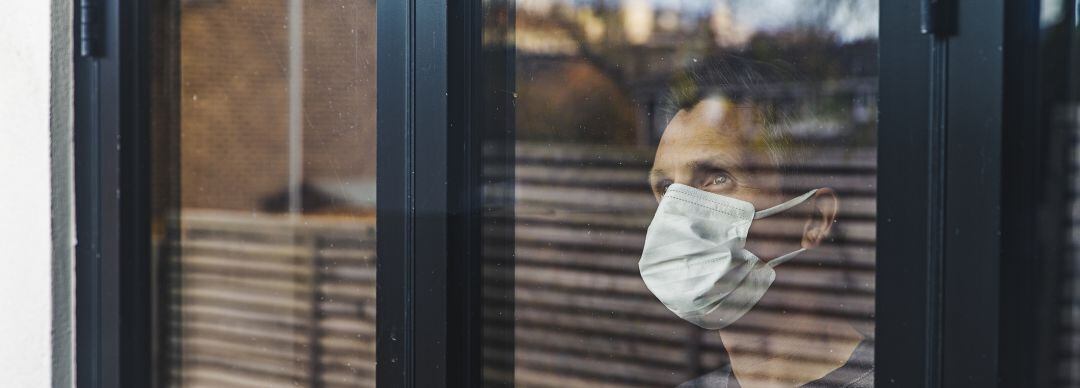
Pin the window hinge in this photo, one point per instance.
(938, 17)
(89, 28)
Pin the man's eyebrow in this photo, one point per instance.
(710, 164)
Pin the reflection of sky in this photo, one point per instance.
(849, 19)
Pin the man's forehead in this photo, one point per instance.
(712, 121)
(693, 140)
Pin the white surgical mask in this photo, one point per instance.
(694, 261)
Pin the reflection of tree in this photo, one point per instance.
(572, 101)
(599, 35)
(817, 40)
(599, 55)
(593, 87)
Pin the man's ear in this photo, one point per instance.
(824, 206)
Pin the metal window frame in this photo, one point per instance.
(908, 226)
(114, 333)
(442, 101)
(944, 214)
(996, 184)
(972, 211)
(973, 312)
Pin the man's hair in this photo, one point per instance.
(745, 82)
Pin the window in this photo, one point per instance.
(567, 193)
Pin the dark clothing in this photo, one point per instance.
(857, 372)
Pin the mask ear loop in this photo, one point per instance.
(780, 208)
(780, 260)
(785, 206)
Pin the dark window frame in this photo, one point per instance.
(114, 335)
(441, 102)
(905, 304)
(972, 196)
(942, 160)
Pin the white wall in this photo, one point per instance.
(35, 124)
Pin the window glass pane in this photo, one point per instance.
(648, 132)
(1058, 84)
(264, 192)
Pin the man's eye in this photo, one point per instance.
(660, 188)
(718, 180)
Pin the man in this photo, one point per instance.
(708, 257)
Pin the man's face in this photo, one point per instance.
(708, 148)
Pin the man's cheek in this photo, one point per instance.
(774, 236)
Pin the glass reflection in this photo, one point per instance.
(264, 174)
(754, 101)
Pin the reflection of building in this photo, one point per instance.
(234, 88)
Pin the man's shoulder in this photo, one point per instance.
(723, 378)
(857, 372)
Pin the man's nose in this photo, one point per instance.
(689, 181)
